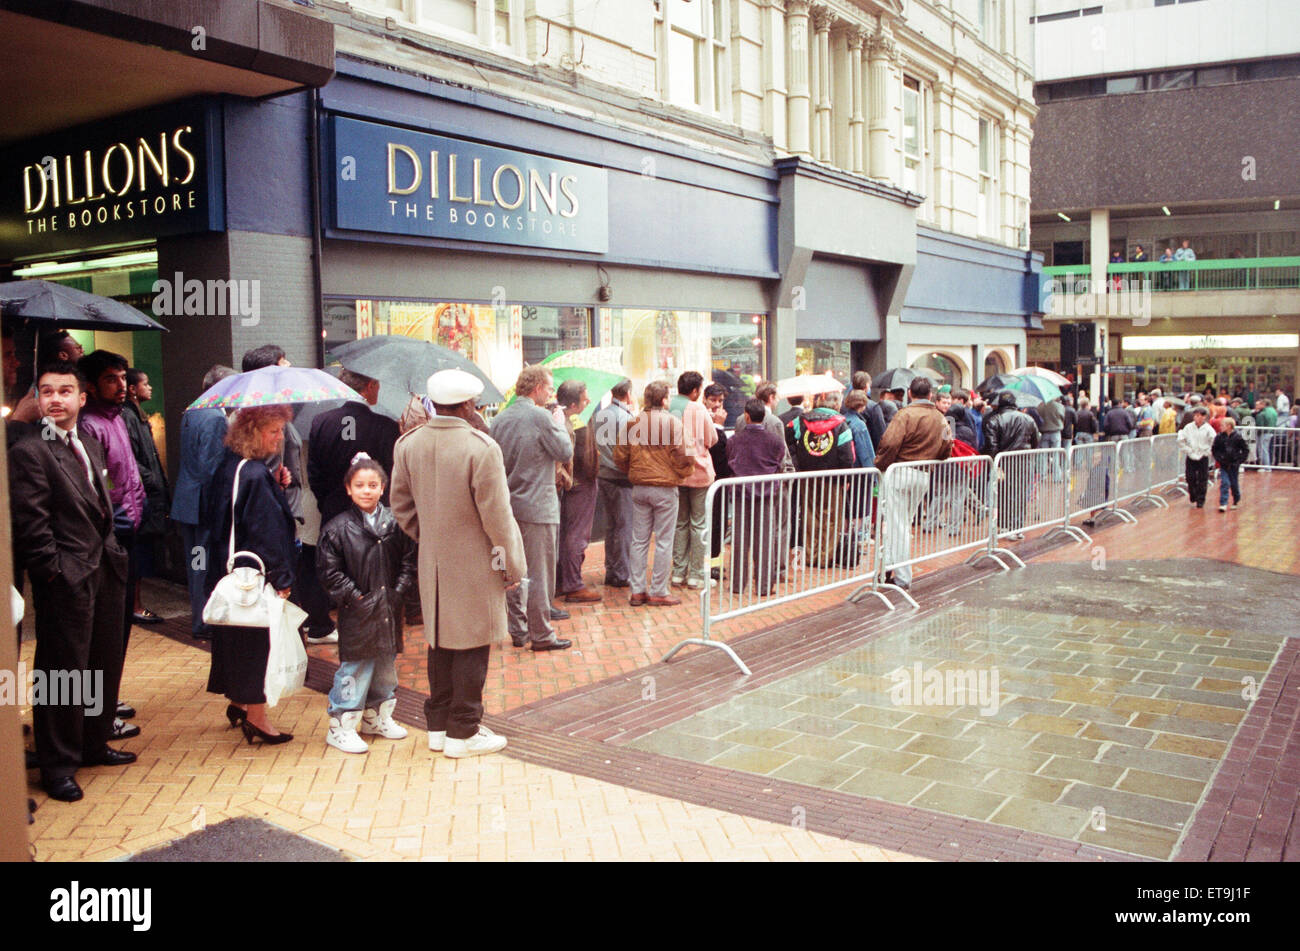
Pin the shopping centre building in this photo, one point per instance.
(1161, 124)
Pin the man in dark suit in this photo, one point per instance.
(339, 435)
(78, 571)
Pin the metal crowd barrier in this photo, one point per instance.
(1271, 447)
(1166, 466)
(1031, 489)
(792, 535)
(1094, 468)
(785, 537)
(957, 515)
(1134, 476)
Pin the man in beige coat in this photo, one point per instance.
(450, 477)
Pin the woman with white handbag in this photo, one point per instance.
(249, 517)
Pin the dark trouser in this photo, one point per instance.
(531, 617)
(78, 629)
(310, 596)
(195, 539)
(1013, 500)
(577, 509)
(752, 533)
(616, 499)
(1198, 476)
(456, 681)
(127, 540)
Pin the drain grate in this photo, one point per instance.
(242, 840)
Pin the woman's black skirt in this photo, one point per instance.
(239, 656)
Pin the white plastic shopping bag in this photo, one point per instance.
(286, 665)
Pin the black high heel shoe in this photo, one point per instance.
(268, 739)
(236, 715)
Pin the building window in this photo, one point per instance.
(729, 348)
(990, 23)
(459, 15)
(693, 60)
(988, 194)
(913, 123)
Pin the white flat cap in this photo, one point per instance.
(450, 387)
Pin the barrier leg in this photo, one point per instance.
(703, 642)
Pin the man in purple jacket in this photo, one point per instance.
(102, 418)
(754, 450)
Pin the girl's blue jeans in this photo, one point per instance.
(363, 684)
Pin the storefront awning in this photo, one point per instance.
(75, 61)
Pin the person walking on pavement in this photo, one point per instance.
(917, 432)
(654, 458)
(1196, 439)
(532, 437)
(450, 493)
(576, 480)
(1229, 451)
(609, 429)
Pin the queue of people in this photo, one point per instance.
(477, 530)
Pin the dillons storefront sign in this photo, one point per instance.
(141, 176)
(401, 182)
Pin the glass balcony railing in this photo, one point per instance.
(1233, 274)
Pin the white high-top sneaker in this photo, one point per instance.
(343, 733)
(381, 722)
(485, 741)
(437, 740)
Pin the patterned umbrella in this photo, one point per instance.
(1050, 375)
(271, 386)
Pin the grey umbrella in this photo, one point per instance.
(403, 364)
(66, 307)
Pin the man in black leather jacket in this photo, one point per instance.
(1006, 430)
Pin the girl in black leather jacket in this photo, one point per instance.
(366, 564)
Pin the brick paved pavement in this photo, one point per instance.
(404, 802)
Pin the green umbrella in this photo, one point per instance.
(599, 382)
(1045, 390)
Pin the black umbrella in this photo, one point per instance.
(66, 307)
(1024, 399)
(899, 378)
(999, 381)
(405, 364)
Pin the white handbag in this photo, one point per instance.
(242, 597)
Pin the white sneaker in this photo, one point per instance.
(485, 741)
(331, 638)
(677, 579)
(343, 733)
(698, 585)
(437, 740)
(381, 723)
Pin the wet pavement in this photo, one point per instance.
(1094, 730)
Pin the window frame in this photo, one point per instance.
(710, 51)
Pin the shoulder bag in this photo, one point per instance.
(241, 597)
